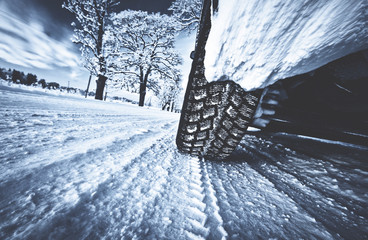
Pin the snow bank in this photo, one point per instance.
(258, 42)
(36, 89)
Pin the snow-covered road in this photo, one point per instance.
(72, 168)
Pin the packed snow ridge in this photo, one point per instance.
(260, 42)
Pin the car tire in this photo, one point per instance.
(215, 118)
(216, 115)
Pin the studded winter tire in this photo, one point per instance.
(215, 119)
(215, 115)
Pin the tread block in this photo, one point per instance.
(242, 123)
(209, 112)
(188, 137)
(195, 106)
(227, 150)
(213, 100)
(205, 125)
(232, 142)
(227, 123)
(236, 99)
(218, 143)
(199, 82)
(199, 144)
(232, 112)
(186, 149)
(251, 100)
(191, 128)
(186, 144)
(246, 111)
(236, 132)
(223, 134)
(200, 94)
(216, 88)
(194, 117)
(202, 135)
(197, 149)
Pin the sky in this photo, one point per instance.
(35, 37)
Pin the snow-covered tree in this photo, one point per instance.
(89, 32)
(187, 12)
(169, 94)
(142, 46)
(127, 82)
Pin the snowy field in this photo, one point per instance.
(72, 168)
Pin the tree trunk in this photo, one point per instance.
(164, 106)
(143, 85)
(172, 106)
(100, 83)
(100, 86)
(142, 93)
(89, 82)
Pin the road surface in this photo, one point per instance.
(72, 168)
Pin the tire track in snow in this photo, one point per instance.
(200, 211)
(186, 207)
(38, 199)
(347, 205)
(63, 148)
(331, 176)
(306, 167)
(69, 149)
(313, 203)
(252, 207)
(179, 210)
(214, 221)
(196, 210)
(124, 206)
(228, 204)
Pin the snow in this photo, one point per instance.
(76, 168)
(259, 42)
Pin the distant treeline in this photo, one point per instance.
(30, 79)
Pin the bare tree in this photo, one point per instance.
(142, 46)
(187, 12)
(92, 16)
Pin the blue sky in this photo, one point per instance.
(36, 38)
